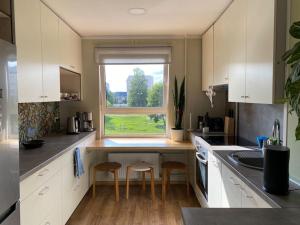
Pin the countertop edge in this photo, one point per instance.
(45, 163)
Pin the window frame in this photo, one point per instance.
(104, 110)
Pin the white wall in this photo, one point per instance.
(292, 119)
(197, 102)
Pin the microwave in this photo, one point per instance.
(6, 21)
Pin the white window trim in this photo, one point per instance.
(140, 110)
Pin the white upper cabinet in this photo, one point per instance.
(39, 50)
(221, 49)
(50, 52)
(70, 48)
(249, 41)
(263, 53)
(237, 53)
(208, 59)
(29, 50)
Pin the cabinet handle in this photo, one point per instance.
(47, 223)
(242, 96)
(233, 182)
(226, 78)
(44, 191)
(72, 66)
(43, 173)
(245, 193)
(247, 96)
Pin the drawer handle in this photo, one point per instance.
(43, 173)
(47, 223)
(233, 182)
(44, 191)
(245, 193)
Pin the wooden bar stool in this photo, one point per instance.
(167, 168)
(112, 167)
(143, 167)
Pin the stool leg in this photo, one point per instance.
(163, 183)
(117, 184)
(152, 184)
(187, 182)
(127, 182)
(94, 183)
(168, 179)
(144, 181)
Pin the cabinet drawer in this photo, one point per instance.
(251, 200)
(54, 218)
(42, 202)
(34, 181)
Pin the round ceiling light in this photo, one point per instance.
(137, 11)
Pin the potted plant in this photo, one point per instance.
(179, 104)
(292, 85)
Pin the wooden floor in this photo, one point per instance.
(138, 210)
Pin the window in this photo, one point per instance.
(134, 99)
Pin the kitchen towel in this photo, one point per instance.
(78, 165)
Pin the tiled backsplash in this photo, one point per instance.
(36, 120)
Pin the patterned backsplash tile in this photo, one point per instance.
(36, 120)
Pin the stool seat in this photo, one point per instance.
(140, 166)
(173, 165)
(108, 166)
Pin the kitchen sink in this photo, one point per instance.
(253, 158)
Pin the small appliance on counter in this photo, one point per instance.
(276, 169)
(211, 124)
(85, 121)
(73, 125)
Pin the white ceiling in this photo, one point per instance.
(91, 18)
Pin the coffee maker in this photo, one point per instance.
(85, 121)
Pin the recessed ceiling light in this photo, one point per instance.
(137, 11)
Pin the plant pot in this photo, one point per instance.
(177, 135)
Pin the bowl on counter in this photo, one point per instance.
(32, 144)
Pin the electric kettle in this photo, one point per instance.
(72, 125)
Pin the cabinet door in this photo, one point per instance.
(231, 189)
(237, 53)
(251, 200)
(259, 48)
(214, 182)
(29, 50)
(50, 53)
(70, 48)
(221, 37)
(207, 59)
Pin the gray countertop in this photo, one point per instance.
(254, 179)
(55, 145)
(198, 216)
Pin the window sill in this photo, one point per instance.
(140, 144)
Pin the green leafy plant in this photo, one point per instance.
(179, 103)
(292, 85)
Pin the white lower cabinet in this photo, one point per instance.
(214, 181)
(42, 202)
(231, 192)
(50, 196)
(236, 194)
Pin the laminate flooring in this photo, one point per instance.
(138, 210)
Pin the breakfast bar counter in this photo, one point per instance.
(140, 144)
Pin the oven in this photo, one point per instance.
(202, 169)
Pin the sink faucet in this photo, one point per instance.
(276, 132)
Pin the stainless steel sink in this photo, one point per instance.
(253, 159)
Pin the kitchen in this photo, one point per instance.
(178, 116)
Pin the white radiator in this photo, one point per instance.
(129, 158)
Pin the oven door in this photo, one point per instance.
(202, 173)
